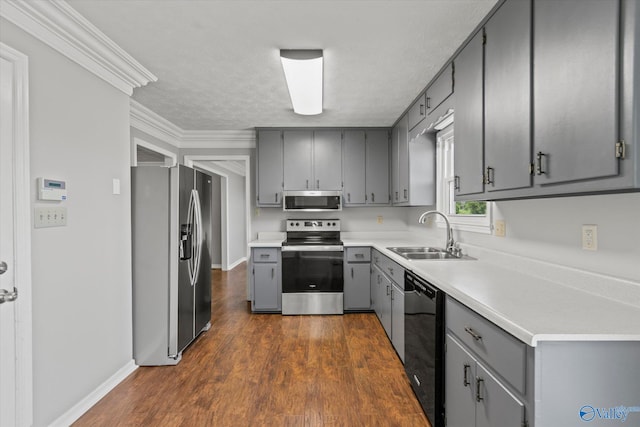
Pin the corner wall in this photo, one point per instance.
(79, 133)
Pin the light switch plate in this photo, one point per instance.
(55, 216)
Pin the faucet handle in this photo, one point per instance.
(455, 250)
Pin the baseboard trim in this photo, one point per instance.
(237, 263)
(73, 414)
(216, 266)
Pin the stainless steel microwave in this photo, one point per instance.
(312, 201)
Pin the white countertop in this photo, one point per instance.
(532, 307)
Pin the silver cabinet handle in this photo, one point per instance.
(359, 255)
(489, 176)
(388, 290)
(3, 267)
(307, 185)
(473, 333)
(264, 256)
(390, 269)
(539, 168)
(396, 195)
(456, 183)
(422, 109)
(373, 198)
(405, 193)
(465, 380)
(428, 102)
(479, 382)
(318, 184)
(352, 272)
(349, 197)
(273, 272)
(276, 197)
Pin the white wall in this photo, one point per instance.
(79, 130)
(236, 221)
(216, 227)
(551, 230)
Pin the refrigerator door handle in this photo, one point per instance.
(199, 235)
(194, 238)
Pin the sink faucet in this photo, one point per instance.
(450, 245)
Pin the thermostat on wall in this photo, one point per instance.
(51, 189)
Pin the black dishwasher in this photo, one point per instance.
(424, 344)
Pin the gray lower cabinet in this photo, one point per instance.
(485, 372)
(266, 280)
(387, 289)
(366, 182)
(269, 174)
(357, 278)
(473, 395)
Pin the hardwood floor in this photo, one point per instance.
(269, 370)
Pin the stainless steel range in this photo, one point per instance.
(312, 267)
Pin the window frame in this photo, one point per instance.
(445, 193)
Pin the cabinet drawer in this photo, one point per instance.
(358, 254)
(390, 268)
(265, 255)
(504, 353)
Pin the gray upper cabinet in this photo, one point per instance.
(377, 167)
(312, 160)
(440, 89)
(400, 169)
(327, 160)
(468, 145)
(298, 160)
(366, 167)
(354, 148)
(417, 112)
(269, 168)
(507, 97)
(575, 69)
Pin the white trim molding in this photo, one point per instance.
(22, 214)
(150, 122)
(171, 157)
(60, 26)
(92, 398)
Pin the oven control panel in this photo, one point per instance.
(313, 225)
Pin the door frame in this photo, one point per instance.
(22, 239)
(189, 160)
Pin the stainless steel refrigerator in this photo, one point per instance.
(171, 226)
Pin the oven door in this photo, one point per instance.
(312, 269)
(312, 280)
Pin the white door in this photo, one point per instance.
(15, 267)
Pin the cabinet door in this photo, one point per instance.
(417, 112)
(403, 160)
(376, 282)
(385, 304)
(395, 192)
(468, 146)
(270, 169)
(297, 160)
(496, 406)
(397, 320)
(460, 373)
(440, 89)
(357, 292)
(575, 73)
(507, 97)
(377, 167)
(354, 167)
(266, 289)
(327, 160)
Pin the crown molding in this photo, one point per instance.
(60, 26)
(218, 139)
(149, 122)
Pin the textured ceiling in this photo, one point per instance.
(218, 66)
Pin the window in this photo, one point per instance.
(470, 215)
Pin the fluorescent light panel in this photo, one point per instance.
(303, 72)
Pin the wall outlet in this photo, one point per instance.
(590, 237)
(49, 217)
(380, 219)
(500, 228)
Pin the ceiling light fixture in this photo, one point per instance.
(303, 72)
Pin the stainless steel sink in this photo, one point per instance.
(426, 253)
